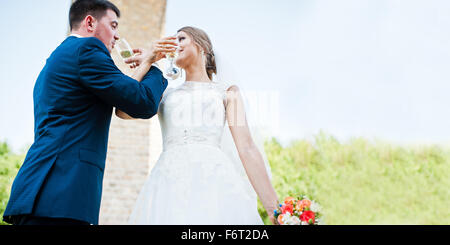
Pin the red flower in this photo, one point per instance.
(308, 215)
(287, 208)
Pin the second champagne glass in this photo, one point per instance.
(172, 72)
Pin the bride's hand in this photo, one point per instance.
(273, 219)
(163, 46)
(157, 51)
(270, 212)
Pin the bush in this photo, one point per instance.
(9, 166)
(363, 182)
(356, 182)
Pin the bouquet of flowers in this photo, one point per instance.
(300, 211)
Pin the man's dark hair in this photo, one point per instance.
(82, 8)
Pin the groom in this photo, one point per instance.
(60, 181)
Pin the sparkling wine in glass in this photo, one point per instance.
(172, 72)
(124, 49)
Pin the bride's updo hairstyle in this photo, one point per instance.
(202, 40)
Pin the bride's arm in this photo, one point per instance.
(248, 152)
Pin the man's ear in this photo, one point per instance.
(91, 23)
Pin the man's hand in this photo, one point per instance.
(157, 51)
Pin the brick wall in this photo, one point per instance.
(134, 145)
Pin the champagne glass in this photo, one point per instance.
(124, 49)
(172, 72)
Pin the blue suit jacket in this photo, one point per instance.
(74, 96)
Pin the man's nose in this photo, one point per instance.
(116, 37)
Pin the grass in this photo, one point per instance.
(363, 182)
(356, 182)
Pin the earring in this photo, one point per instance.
(204, 56)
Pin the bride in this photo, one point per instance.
(195, 180)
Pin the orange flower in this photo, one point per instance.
(305, 203)
(287, 208)
(289, 200)
(301, 205)
(298, 206)
(280, 219)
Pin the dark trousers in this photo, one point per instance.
(34, 220)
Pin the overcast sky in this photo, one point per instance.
(373, 68)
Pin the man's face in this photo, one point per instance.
(106, 29)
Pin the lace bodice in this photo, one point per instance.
(193, 112)
(194, 173)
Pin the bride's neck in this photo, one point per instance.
(196, 73)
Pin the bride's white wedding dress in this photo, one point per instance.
(194, 181)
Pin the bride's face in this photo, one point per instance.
(188, 53)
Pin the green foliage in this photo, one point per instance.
(4, 148)
(9, 166)
(363, 182)
(356, 182)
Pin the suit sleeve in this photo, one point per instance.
(100, 75)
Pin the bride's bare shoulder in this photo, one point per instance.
(233, 88)
(233, 95)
